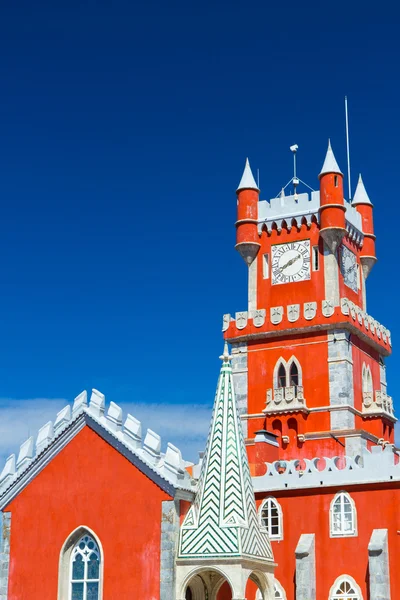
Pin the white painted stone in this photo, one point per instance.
(80, 403)
(8, 471)
(305, 567)
(241, 319)
(26, 453)
(132, 431)
(114, 417)
(310, 310)
(152, 446)
(327, 308)
(293, 312)
(226, 319)
(97, 403)
(62, 419)
(344, 304)
(276, 313)
(45, 435)
(378, 562)
(259, 317)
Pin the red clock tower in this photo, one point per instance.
(308, 358)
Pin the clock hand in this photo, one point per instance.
(290, 262)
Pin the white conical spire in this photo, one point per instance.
(247, 182)
(330, 165)
(361, 196)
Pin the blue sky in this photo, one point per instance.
(123, 133)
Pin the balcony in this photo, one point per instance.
(380, 404)
(285, 399)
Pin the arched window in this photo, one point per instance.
(81, 567)
(366, 379)
(345, 588)
(85, 570)
(281, 376)
(343, 516)
(294, 375)
(271, 518)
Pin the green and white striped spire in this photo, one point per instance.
(222, 521)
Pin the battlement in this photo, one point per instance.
(381, 465)
(126, 436)
(293, 210)
(310, 315)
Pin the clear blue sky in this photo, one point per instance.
(124, 127)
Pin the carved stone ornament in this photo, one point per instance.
(353, 311)
(327, 308)
(360, 316)
(259, 317)
(293, 312)
(241, 319)
(366, 321)
(378, 332)
(372, 325)
(226, 319)
(276, 314)
(384, 334)
(344, 303)
(310, 310)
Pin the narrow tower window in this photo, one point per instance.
(281, 376)
(343, 516)
(336, 180)
(294, 375)
(271, 518)
(315, 254)
(266, 266)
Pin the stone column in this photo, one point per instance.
(169, 542)
(341, 389)
(5, 530)
(239, 371)
(305, 567)
(378, 558)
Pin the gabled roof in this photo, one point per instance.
(168, 470)
(360, 195)
(330, 165)
(247, 182)
(222, 522)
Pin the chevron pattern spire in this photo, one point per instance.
(222, 521)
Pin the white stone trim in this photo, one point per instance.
(341, 579)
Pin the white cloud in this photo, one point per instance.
(185, 425)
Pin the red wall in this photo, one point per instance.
(308, 512)
(89, 483)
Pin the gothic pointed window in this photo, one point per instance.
(271, 518)
(345, 589)
(343, 516)
(366, 379)
(281, 376)
(294, 375)
(85, 570)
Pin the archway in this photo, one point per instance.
(207, 584)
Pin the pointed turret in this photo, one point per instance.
(247, 242)
(222, 525)
(364, 206)
(332, 207)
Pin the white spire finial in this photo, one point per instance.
(226, 357)
(330, 165)
(247, 182)
(361, 196)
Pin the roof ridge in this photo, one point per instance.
(170, 465)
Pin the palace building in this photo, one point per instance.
(296, 494)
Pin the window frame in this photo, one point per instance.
(345, 579)
(266, 504)
(65, 562)
(342, 496)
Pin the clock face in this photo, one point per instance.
(291, 262)
(348, 266)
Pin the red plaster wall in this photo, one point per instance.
(308, 512)
(88, 483)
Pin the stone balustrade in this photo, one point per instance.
(377, 403)
(290, 398)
